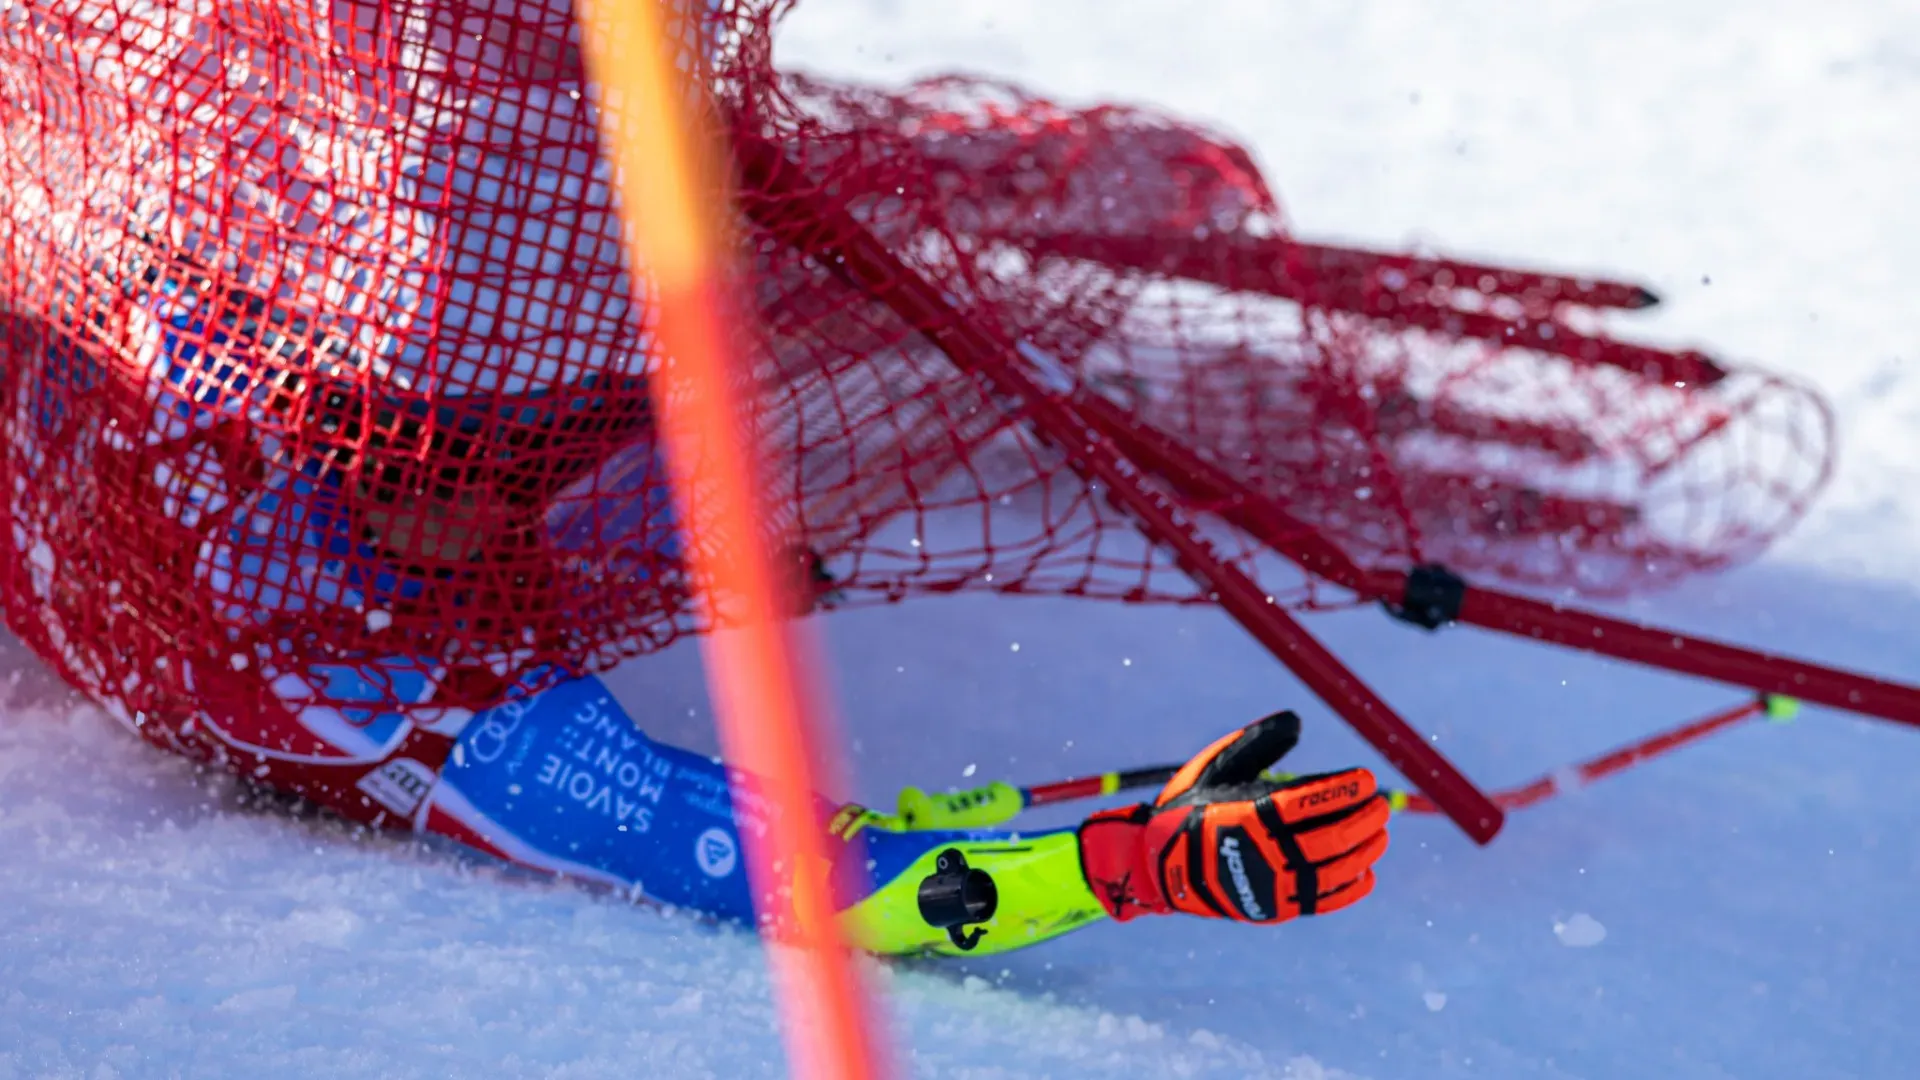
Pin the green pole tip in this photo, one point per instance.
(1781, 709)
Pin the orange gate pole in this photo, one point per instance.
(674, 197)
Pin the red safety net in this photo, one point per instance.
(326, 391)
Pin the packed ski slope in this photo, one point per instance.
(1743, 910)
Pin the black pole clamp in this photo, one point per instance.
(956, 895)
(1432, 598)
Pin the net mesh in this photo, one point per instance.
(327, 389)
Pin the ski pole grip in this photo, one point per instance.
(976, 808)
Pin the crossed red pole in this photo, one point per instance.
(796, 214)
(1109, 446)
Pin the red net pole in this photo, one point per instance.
(673, 197)
(1205, 482)
(1397, 272)
(833, 238)
(1768, 673)
(1302, 273)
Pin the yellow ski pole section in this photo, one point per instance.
(674, 198)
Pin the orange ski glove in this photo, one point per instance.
(1221, 841)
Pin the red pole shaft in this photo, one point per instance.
(1286, 270)
(835, 239)
(1766, 673)
(1086, 787)
(1206, 482)
(1415, 273)
(1628, 756)
(1519, 798)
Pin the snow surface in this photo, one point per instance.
(1742, 910)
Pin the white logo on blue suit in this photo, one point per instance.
(489, 740)
(716, 853)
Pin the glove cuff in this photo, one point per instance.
(1113, 859)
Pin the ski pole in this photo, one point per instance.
(999, 802)
(1776, 707)
(1087, 787)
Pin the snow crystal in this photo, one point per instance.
(1580, 932)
